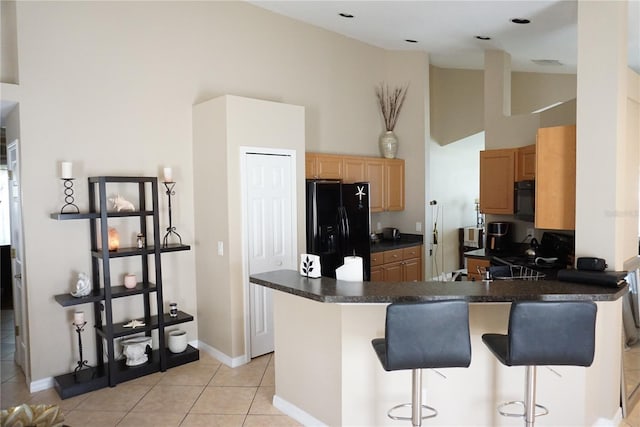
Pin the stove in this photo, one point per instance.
(555, 251)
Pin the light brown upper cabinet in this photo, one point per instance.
(386, 184)
(556, 178)
(394, 184)
(353, 169)
(327, 166)
(385, 176)
(526, 163)
(497, 176)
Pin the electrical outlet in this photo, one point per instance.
(418, 226)
(530, 232)
(378, 226)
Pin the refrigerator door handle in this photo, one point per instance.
(344, 228)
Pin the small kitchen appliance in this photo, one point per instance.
(524, 200)
(390, 233)
(499, 236)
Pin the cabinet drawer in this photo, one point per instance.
(412, 252)
(377, 259)
(472, 267)
(392, 256)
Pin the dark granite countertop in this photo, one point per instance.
(405, 241)
(330, 290)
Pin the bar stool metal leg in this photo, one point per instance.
(530, 396)
(416, 402)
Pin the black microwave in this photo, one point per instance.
(524, 200)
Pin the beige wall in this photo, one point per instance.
(221, 127)
(110, 86)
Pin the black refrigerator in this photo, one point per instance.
(338, 223)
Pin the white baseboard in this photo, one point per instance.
(296, 413)
(232, 362)
(39, 385)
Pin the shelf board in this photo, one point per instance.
(125, 252)
(64, 216)
(120, 331)
(96, 215)
(67, 300)
(125, 179)
(67, 386)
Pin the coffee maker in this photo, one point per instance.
(499, 236)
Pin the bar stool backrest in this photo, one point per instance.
(433, 334)
(552, 333)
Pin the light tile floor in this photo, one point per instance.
(203, 393)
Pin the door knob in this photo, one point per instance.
(279, 263)
(18, 276)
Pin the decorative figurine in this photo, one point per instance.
(121, 204)
(135, 350)
(83, 286)
(134, 324)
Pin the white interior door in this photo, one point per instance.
(271, 237)
(17, 252)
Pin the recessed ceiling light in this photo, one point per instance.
(346, 15)
(483, 37)
(411, 41)
(520, 21)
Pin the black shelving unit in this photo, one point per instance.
(113, 372)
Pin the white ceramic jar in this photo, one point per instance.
(177, 341)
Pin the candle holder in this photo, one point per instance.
(82, 370)
(68, 196)
(170, 229)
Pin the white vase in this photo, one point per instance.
(388, 144)
(177, 341)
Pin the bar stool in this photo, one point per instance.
(544, 333)
(432, 334)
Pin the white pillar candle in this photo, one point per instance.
(167, 175)
(66, 170)
(78, 318)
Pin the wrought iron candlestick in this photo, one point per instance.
(68, 196)
(82, 364)
(170, 229)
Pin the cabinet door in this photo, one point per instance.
(526, 163)
(394, 184)
(310, 169)
(392, 272)
(374, 169)
(556, 178)
(412, 258)
(472, 267)
(353, 169)
(329, 166)
(497, 176)
(377, 274)
(411, 270)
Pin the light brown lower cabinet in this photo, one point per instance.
(397, 265)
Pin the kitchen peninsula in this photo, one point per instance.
(327, 372)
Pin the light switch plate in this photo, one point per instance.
(418, 226)
(220, 248)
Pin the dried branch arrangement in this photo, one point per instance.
(390, 103)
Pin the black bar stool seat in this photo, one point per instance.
(544, 333)
(424, 335)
